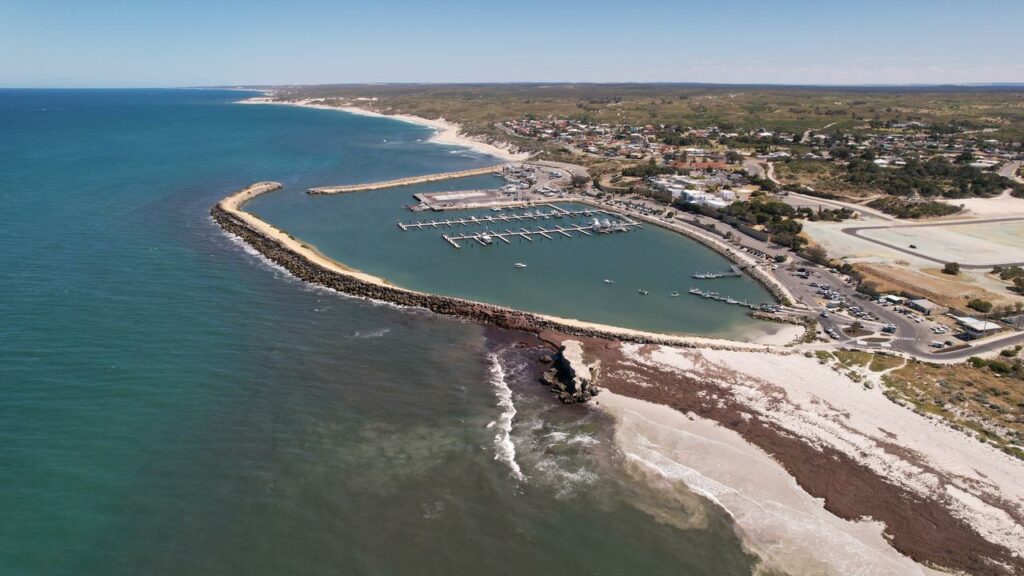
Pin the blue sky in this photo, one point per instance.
(87, 43)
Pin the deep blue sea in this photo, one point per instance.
(172, 404)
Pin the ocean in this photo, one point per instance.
(171, 403)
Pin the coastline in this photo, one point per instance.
(933, 493)
(445, 132)
(812, 439)
(780, 522)
(306, 263)
(776, 288)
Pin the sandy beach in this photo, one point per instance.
(780, 522)
(445, 132)
(936, 494)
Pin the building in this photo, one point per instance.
(924, 306)
(975, 328)
(893, 299)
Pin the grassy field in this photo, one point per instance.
(791, 109)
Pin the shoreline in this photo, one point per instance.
(775, 518)
(774, 287)
(307, 264)
(445, 132)
(933, 493)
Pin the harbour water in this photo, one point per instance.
(170, 403)
(563, 276)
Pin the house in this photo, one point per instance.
(924, 306)
(975, 328)
(893, 299)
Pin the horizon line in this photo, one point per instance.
(1017, 84)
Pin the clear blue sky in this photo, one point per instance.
(70, 43)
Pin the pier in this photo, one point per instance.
(406, 181)
(555, 212)
(488, 237)
(734, 271)
(729, 300)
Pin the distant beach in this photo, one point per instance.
(445, 132)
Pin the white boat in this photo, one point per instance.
(520, 265)
(674, 294)
(642, 292)
(486, 239)
(607, 281)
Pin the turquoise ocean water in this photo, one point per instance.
(172, 404)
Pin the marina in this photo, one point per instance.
(611, 223)
(505, 218)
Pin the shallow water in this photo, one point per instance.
(172, 404)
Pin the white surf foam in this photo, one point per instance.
(504, 449)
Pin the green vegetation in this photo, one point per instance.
(1012, 274)
(984, 396)
(983, 306)
(912, 209)
(951, 268)
(647, 169)
(932, 178)
(777, 218)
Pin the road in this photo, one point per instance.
(911, 338)
(864, 211)
(1009, 170)
(856, 230)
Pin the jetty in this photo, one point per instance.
(729, 300)
(734, 271)
(507, 218)
(406, 181)
(551, 233)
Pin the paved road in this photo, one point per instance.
(856, 230)
(1009, 170)
(858, 208)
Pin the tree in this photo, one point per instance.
(579, 181)
(951, 268)
(733, 157)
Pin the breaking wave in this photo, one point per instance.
(504, 449)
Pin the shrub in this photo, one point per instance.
(983, 306)
(951, 268)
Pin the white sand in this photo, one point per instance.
(828, 409)
(1002, 206)
(785, 526)
(445, 132)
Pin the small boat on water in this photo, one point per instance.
(486, 239)
(696, 291)
(496, 209)
(607, 281)
(520, 265)
(674, 294)
(642, 292)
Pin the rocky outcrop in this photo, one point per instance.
(570, 377)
